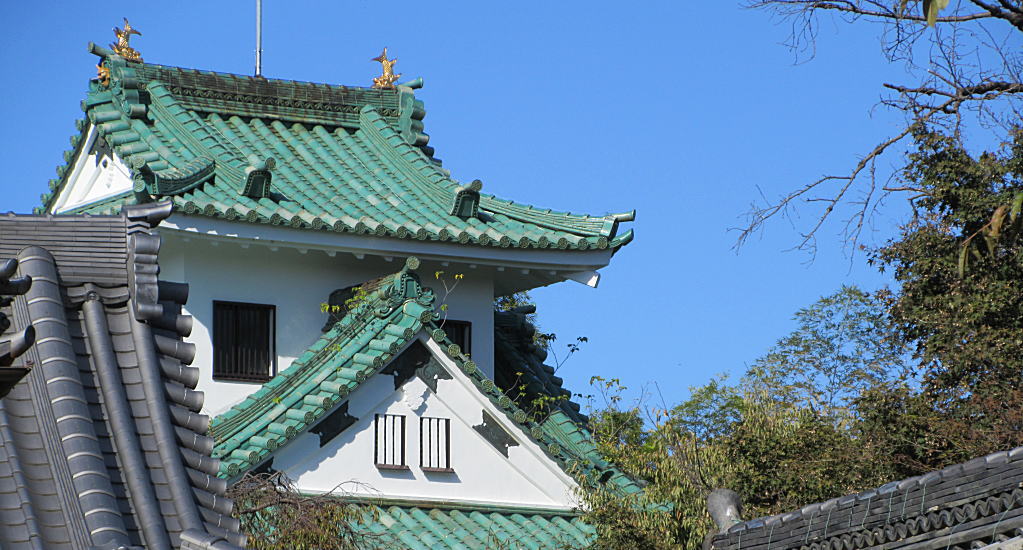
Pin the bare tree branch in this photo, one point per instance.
(274, 514)
(972, 67)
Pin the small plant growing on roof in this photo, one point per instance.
(449, 287)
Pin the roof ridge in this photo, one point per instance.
(166, 125)
(380, 133)
(904, 485)
(106, 53)
(375, 126)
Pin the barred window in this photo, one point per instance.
(460, 332)
(435, 444)
(389, 452)
(244, 341)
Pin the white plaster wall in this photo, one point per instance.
(482, 474)
(296, 284)
(471, 300)
(93, 179)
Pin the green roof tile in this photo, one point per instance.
(348, 159)
(445, 526)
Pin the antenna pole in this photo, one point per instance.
(259, 37)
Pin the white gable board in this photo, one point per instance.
(95, 175)
(481, 473)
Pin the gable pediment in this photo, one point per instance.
(490, 460)
(96, 173)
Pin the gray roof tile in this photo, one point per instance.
(966, 505)
(88, 450)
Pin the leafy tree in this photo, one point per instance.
(959, 262)
(786, 435)
(842, 346)
(967, 323)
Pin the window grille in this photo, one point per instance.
(435, 444)
(460, 332)
(389, 452)
(244, 341)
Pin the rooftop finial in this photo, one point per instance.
(121, 47)
(386, 80)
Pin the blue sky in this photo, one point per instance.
(685, 111)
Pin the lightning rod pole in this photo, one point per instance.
(259, 37)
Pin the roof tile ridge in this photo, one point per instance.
(261, 78)
(129, 118)
(505, 334)
(227, 425)
(157, 327)
(124, 128)
(166, 104)
(206, 162)
(584, 225)
(1013, 458)
(373, 125)
(45, 307)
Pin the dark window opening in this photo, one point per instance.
(389, 450)
(244, 341)
(460, 332)
(435, 444)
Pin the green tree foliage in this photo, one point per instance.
(786, 435)
(842, 347)
(959, 262)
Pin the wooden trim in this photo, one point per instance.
(432, 456)
(430, 470)
(447, 445)
(388, 441)
(392, 467)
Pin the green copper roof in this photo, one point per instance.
(431, 528)
(344, 159)
(363, 342)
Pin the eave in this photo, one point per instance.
(533, 268)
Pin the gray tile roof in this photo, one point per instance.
(971, 505)
(20, 339)
(101, 443)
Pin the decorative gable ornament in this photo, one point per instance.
(122, 47)
(258, 178)
(388, 78)
(466, 202)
